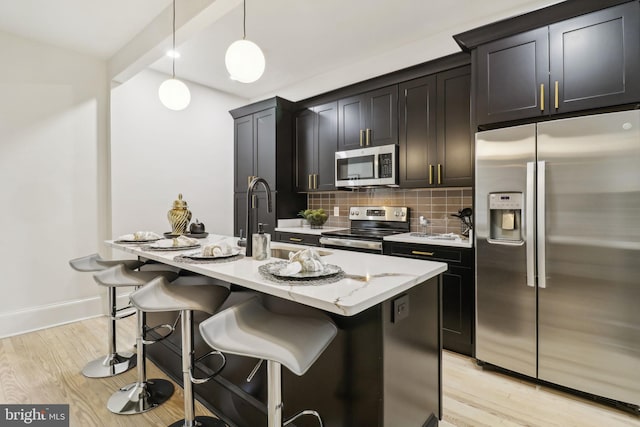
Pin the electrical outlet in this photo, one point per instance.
(336, 211)
(400, 308)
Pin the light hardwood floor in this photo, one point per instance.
(44, 367)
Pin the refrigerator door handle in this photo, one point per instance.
(542, 267)
(530, 224)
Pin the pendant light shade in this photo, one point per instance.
(173, 93)
(245, 61)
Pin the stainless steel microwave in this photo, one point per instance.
(369, 166)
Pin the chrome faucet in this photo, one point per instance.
(250, 208)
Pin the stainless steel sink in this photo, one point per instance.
(283, 253)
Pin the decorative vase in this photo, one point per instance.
(179, 216)
(316, 226)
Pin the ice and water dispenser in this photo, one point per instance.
(505, 216)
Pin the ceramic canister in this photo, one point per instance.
(179, 216)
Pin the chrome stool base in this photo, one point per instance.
(109, 366)
(201, 422)
(137, 398)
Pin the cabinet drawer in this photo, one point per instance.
(458, 256)
(298, 238)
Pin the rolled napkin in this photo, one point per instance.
(217, 249)
(181, 241)
(303, 261)
(146, 235)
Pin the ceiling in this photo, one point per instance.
(311, 46)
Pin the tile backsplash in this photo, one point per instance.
(437, 205)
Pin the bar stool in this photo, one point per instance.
(144, 394)
(249, 329)
(186, 294)
(114, 362)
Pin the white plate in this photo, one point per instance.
(234, 252)
(277, 267)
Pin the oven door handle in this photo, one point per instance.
(352, 243)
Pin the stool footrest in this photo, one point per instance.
(171, 329)
(301, 413)
(216, 372)
(124, 312)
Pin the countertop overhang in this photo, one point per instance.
(345, 297)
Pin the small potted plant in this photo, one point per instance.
(315, 217)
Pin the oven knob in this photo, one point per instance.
(357, 213)
(402, 214)
(397, 213)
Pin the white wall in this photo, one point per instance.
(53, 120)
(157, 153)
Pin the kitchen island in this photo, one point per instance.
(382, 369)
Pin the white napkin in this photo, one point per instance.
(217, 249)
(305, 260)
(181, 241)
(140, 236)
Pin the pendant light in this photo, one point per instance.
(173, 93)
(244, 59)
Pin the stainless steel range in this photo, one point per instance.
(369, 225)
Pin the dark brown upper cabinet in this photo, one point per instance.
(590, 61)
(436, 147)
(316, 133)
(368, 119)
(255, 148)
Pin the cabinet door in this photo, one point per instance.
(458, 310)
(327, 145)
(595, 59)
(351, 122)
(244, 154)
(264, 131)
(454, 136)
(417, 118)
(381, 126)
(305, 149)
(513, 77)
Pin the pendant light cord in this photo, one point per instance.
(173, 56)
(244, 19)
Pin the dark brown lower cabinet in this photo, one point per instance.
(458, 290)
(297, 238)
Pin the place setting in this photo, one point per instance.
(304, 267)
(139, 237)
(217, 252)
(180, 243)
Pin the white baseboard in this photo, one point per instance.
(46, 316)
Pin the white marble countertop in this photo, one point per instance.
(426, 240)
(307, 230)
(347, 297)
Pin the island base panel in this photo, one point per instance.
(380, 370)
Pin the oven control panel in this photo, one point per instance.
(379, 213)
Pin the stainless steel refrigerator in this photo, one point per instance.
(558, 252)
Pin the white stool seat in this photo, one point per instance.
(248, 329)
(95, 262)
(119, 275)
(197, 293)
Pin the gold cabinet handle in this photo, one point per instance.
(556, 95)
(310, 187)
(295, 239)
(315, 181)
(361, 136)
(542, 97)
(422, 253)
(430, 174)
(368, 136)
(253, 201)
(249, 181)
(439, 173)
